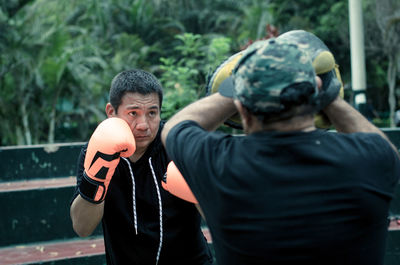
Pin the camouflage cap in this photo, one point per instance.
(265, 69)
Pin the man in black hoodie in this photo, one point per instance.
(118, 182)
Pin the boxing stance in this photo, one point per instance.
(119, 178)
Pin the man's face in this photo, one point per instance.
(142, 113)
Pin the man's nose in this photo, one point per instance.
(142, 123)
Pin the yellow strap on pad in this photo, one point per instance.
(324, 62)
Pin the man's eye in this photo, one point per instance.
(152, 113)
(134, 114)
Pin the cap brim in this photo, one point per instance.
(226, 87)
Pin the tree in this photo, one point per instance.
(57, 58)
(388, 21)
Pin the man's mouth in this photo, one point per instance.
(141, 136)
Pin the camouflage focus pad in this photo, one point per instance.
(321, 120)
(222, 72)
(325, 67)
(308, 41)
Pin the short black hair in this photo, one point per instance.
(296, 100)
(135, 81)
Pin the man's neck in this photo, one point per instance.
(137, 155)
(296, 123)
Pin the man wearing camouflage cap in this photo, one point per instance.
(285, 192)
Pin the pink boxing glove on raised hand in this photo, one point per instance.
(176, 184)
(112, 139)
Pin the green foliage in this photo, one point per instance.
(57, 58)
(180, 75)
(257, 15)
(381, 123)
(184, 73)
(218, 51)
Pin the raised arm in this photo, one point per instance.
(112, 139)
(346, 119)
(208, 112)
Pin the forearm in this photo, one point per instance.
(85, 216)
(208, 112)
(346, 119)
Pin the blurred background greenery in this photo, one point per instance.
(57, 58)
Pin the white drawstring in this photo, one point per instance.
(160, 211)
(159, 203)
(133, 195)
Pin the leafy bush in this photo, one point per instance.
(184, 74)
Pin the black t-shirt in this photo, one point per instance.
(282, 198)
(182, 241)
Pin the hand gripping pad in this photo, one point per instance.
(176, 184)
(323, 62)
(111, 139)
(325, 67)
(222, 72)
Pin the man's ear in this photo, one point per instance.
(110, 111)
(244, 114)
(319, 82)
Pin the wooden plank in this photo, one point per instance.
(37, 184)
(38, 161)
(51, 251)
(36, 215)
(40, 252)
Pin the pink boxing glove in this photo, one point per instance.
(111, 139)
(176, 184)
